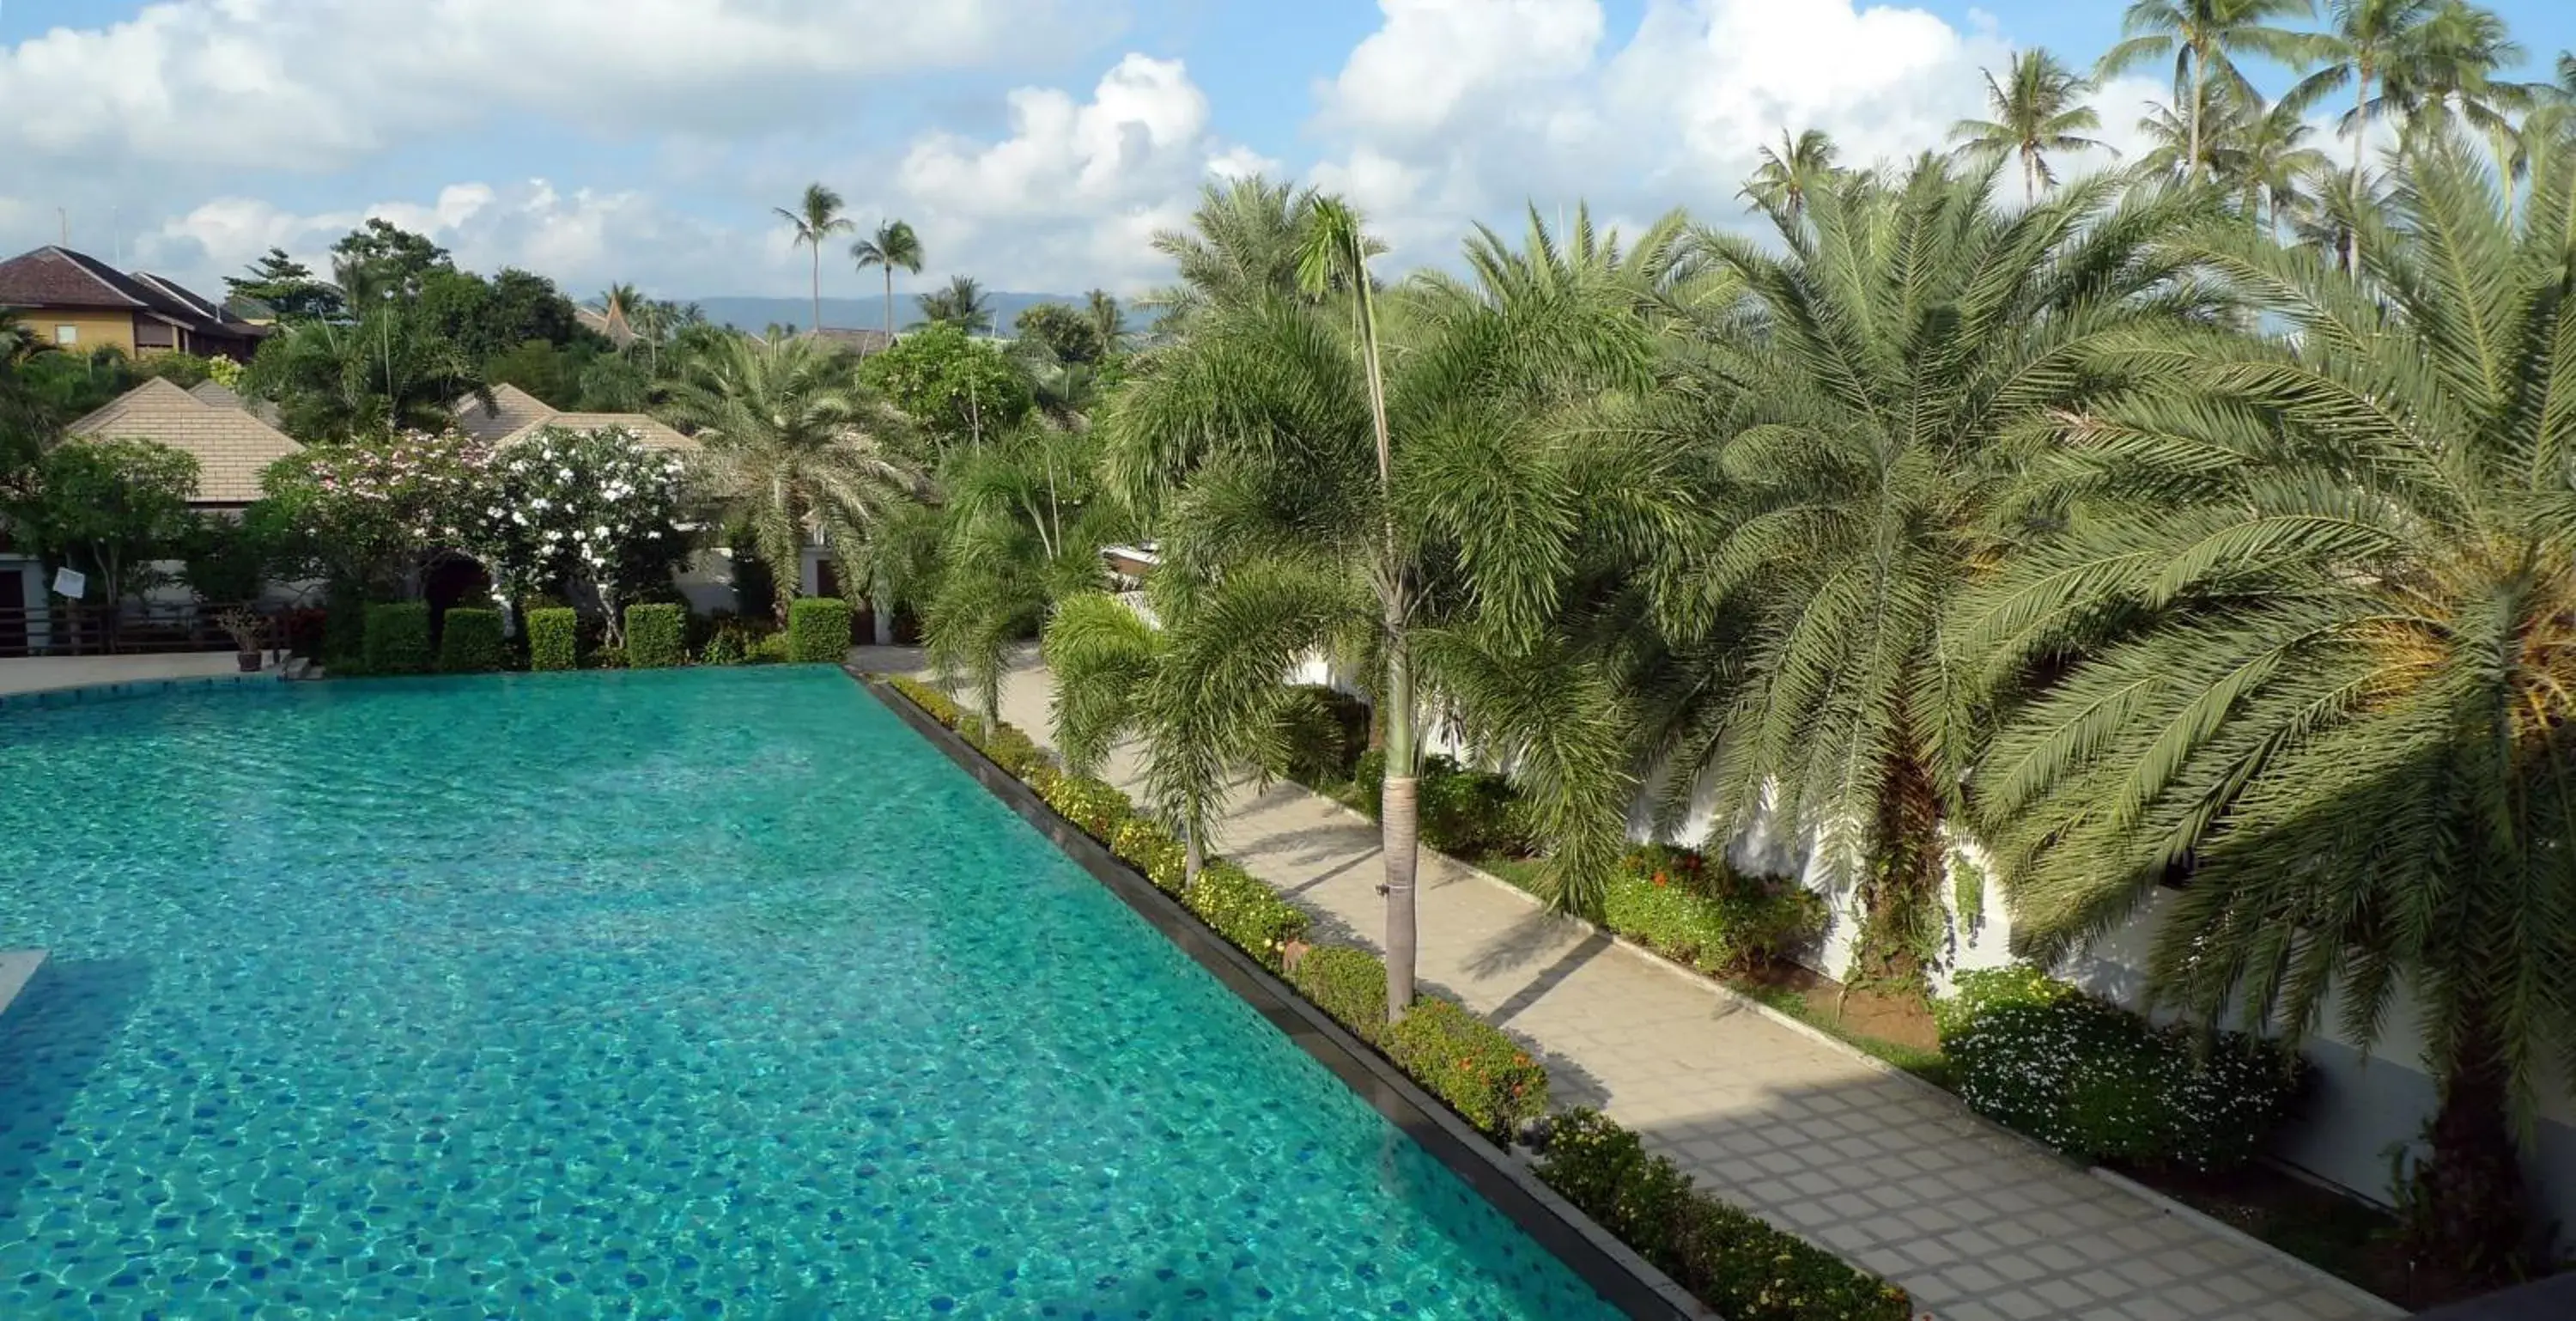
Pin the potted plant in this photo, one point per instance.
(245, 626)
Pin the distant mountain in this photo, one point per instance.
(758, 314)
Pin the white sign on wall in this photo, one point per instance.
(71, 583)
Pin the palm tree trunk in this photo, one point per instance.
(2473, 1219)
(818, 288)
(2029, 178)
(1398, 809)
(881, 610)
(889, 274)
(2192, 170)
(1193, 854)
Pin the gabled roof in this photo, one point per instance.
(176, 293)
(860, 342)
(513, 410)
(215, 394)
(611, 323)
(649, 430)
(231, 446)
(54, 276)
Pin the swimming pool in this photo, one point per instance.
(700, 993)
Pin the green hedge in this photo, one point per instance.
(1245, 911)
(1742, 1268)
(1349, 984)
(1010, 749)
(2099, 1082)
(1461, 812)
(1471, 1064)
(554, 638)
(471, 642)
(656, 637)
(818, 630)
(1704, 914)
(398, 638)
(1143, 843)
(936, 703)
(1094, 805)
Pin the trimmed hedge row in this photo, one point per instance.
(398, 638)
(2099, 1082)
(657, 637)
(554, 638)
(1676, 902)
(818, 630)
(1739, 1266)
(471, 642)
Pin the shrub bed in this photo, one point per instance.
(472, 642)
(1245, 911)
(1461, 812)
(2101, 1083)
(1010, 749)
(935, 703)
(398, 638)
(1469, 1063)
(1349, 984)
(818, 630)
(656, 637)
(554, 639)
(1705, 914)
(1094, 805)
(1154, 852)
(1742, 1268)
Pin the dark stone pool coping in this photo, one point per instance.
(1615, 1271)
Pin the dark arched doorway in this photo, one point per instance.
(454, 580)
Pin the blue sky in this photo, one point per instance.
(1036, 143)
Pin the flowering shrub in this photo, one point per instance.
(1705, 914)
(1245, 911)
(933, 702)
(1484, 1075)
(377, 506)
(470, 642)
(398, 638)
(1145, 845)
(594, 508)
(656, 636)
(554, 638)
(1094, 805)
(1742, 1268)
(2101, 1083)
(818, 630)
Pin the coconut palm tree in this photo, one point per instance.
(2364, 40)
(1858, 426)
(2204, 37)
(1400, 495)
(893, 247)
(2040, 111)
(2312, 631)
(794, 445)
(961, 304)
(1780, 183)
(815, 221)
(2268, 161)
(1109, 319)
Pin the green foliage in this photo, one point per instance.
(609, 658)
(769, 649)
(392, 370)
(1347, 983)
(1143, 843)
(1462, 812)
(287, 289)
(1703, 914)
(938, 704)
(228, 559)
(381, 262)
(554, 638)
(1471, 1064)
(1742, 1268)
(2102, 1083)
(954, 386)
(961, 306)
(818, 630)
(1008, 748)
(469, 641)
(1095, 805)
(1068, 334)
(1323, 732)
(656, 636)
(1245, 911)
(398, 638)
(109, 508)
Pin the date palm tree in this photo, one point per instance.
(961, 304)
(2312, 628)
(816, 220)
(795, 446)
(1860, 422)
(1781, 182)
(1242, 244)
(893, 247)
(2203, 38)
(2040, 110)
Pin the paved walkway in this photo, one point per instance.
(1894, 1177)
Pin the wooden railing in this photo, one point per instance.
(63, 628)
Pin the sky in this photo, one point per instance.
(1034, 144)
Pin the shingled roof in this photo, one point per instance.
(54, 276)
(647, 429)
(231, 446)
(517, 414)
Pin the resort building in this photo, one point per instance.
(76, 302)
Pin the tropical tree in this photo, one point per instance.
(2309, 632)
(893, 247)
(1382, 501)
(390, 371)
(1107, 318)
(795, 446)
(1781, 182)
(1025, 522)
(1860, 424)
(1243, 244)
(962, 304)
(621, 307)
(2204, 37)
(110, 508)
(2040, 110)
(816, 220)
(2268, 163)
(2364, 41)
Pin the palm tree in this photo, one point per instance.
(392, 370)
(2454, 80)
(2204, 37)
(1861, 420)
(2314, 637)
(1108, 318)
(816, 219)
(2040, 112)
(1783, 179)
(2363, 42)
(1242, 244)
(1279, 441)
(961, 304)
(2269, 160)
(794, 445)
(1025, 522)
(894, 247)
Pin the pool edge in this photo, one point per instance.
(1613, 1269)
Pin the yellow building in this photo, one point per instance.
(78, 303)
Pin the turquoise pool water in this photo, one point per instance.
(696, 993)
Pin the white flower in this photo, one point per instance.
(602, 532)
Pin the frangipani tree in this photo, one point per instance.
(596, 511)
